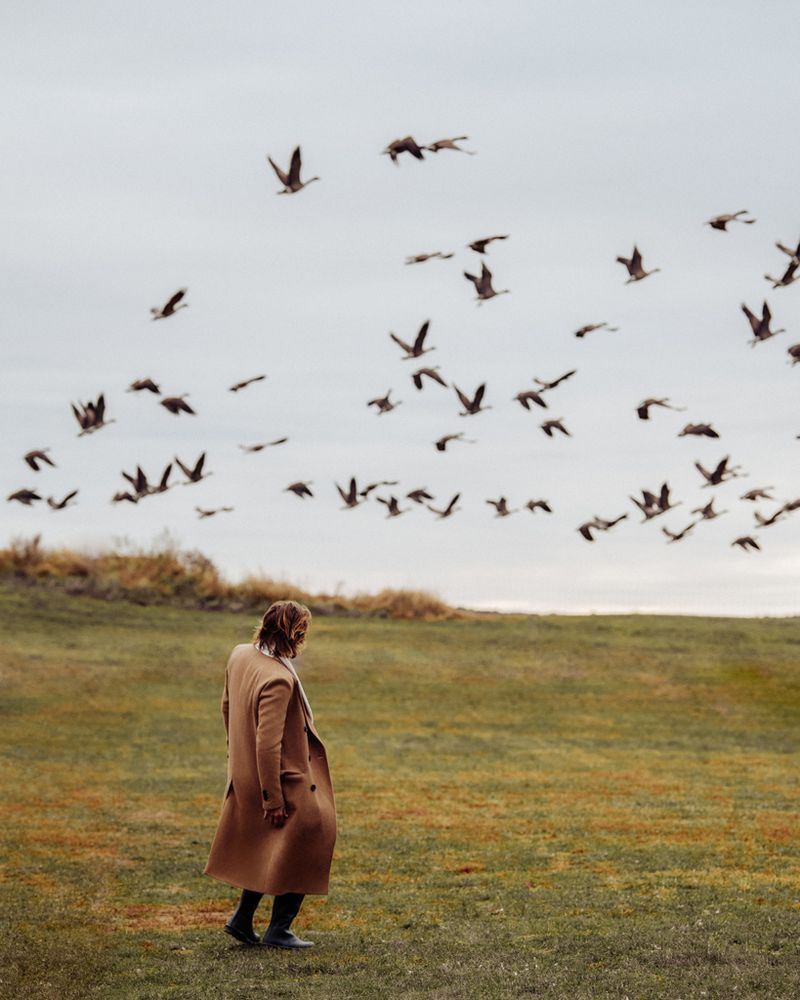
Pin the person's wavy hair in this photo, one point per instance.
(283, 627)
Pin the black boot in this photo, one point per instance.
(240, 924)
(284, 909)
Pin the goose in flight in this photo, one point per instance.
(245, 383)
(196, 474)
(141, 487)
(37, 455)
(394, 506)
(262, 445)
(143, 383)
(651, 505)
(176, 404)
(676, 536)
(383, 403)
(450, 144)
(483, 284)
(788, 277)
(420, 258)
(550, 426)
(597, 524)
(589, 327)
(416, 349)
(794, 354)
(203, 512)
(746, 542)
(419, 495)
(300, 489)
(291, 181)
(91, 416)
(528, 396)
(759, 493)
(448, 510)
(643, 409)
(473, 405)
(442, 443)
(698, 430)
(24, 496)
(765, 522)
(551, 385)
(351, 497)
(432, 373)
(479, 246)
(502, 508)
(720, 474)
(374, 486)
(54, 504)
(634, 266)
(533, 505)
(171, 306)
(760, 325)
(121, 495)
(707, 513)
(721, 221)
(405, 145)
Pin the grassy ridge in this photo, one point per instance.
(572, 808)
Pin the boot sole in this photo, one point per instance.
(240, 936)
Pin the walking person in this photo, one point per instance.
(277, 825)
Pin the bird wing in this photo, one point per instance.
(165, 476)
(294, 167)
(68, 497)
(636, 260)
(175, 299)
(282, 177)
(406, 347)
(199, 467)
(466, 402)
(479, 394)
(755, 322)
(452, 502)
(476, 281)
(423, 330)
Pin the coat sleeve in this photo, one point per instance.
(273, 702)
(225, 707)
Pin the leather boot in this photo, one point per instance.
(240, 924)
(284, 909)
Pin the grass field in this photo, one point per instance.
(594, 807)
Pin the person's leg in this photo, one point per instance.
(285, 908)
(241, 923)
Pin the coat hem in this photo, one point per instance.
(267, 892)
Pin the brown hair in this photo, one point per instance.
(283, 627)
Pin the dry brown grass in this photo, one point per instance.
(166, 574)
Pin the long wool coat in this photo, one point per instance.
(275, 757)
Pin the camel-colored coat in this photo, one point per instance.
(275, 757)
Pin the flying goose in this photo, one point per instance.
(91, 416)
(634, 266)
(432, 373)
(483, 284)
(589, 327)
(419, 495)
(673, 536)
(176, 404)
(54, 504)
(551, 385)
(721, 221)
(652, 505)
(405, 145)
(442, 443)
(300, 489)
(245, 383)
(746, 542)
(143, 383)
(549, 426)
(24, 496)
(203, 512)
(698, 430)
(643, 409)
(448, 510)
(502, 508)
(37, 455)
(473, 405)
(720, 474)
(528, 396)
(760, 493)
(351, 497)
(760, 326)
(420, 258)
(374, 486)
(383, 403)
(707, 513)
(794, 353)
(449, 144)
(416, 349)
(171, 306)
(393, 504)
(788, 277)
(262, 445)
(532, 506)
(196, 474)
(124, 495)
(597, 524)
(291, 181)
(479, 246)
(765, 522)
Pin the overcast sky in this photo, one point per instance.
(134, 164)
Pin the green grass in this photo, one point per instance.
(536, 806)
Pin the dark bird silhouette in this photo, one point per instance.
(746, 542)
(91, 416)
(595, 326)
(300, 489)
(698, 430)
(203, 512)
(394, 506)
(163, 484)
(760, 325)
(351, 497)
(450, 144)
(793, 254)
(765, 522)
(24, 496)
(245, 383)
(262, 445)
(479, 246)
(483, 284)
(501, 507)
(551, 385)
(143, 383)
(533, 505)
(54, 504)
(291, 181)
(448, 510)
(720, 474)
(432, 373)
(171, 306)
(473, 405)
(652, 505)
(760, 493)
(634, 266)
(788, 277)
(196, 474)
(442, 443)
(419, 495)
(416, 349)
(405, 145)
(176, 404)
(794, 353)
(420, 258)
(676, 536)
(550, 426)
(33, 458)
(141, 487)
(721, 221)
(528, 396)
(643, 409)
(374, 486)
(707, 513)
(121, 495)
(597, 524)
(383, 403)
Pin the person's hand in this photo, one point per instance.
(277, 816)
